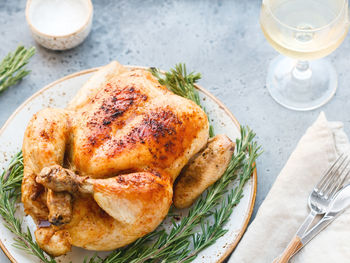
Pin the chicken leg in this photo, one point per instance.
(45, 144)
(124, 197)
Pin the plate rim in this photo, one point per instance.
(235, 242)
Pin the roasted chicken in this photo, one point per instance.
(101, 171)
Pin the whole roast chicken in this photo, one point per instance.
(99, 174)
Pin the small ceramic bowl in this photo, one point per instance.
(44, 31)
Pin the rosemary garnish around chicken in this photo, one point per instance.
(200, 228)
(12, 66)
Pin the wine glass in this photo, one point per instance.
(304, 31)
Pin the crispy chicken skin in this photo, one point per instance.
(112, 156)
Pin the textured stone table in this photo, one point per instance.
(220, 39)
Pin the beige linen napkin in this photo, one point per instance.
(285, 207)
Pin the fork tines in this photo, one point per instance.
(334, 177)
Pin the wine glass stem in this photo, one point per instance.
(302, 70)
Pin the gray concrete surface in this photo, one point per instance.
(220, 39)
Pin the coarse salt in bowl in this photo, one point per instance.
(59, 24)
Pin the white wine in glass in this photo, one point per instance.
(303, 30)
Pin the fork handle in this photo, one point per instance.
(290, 250)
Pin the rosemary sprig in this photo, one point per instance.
(183, 242)
(12, 67)
(210, 233)
(178, 81)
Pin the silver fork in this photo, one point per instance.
(319, 201)
(324, 191)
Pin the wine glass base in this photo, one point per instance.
(301, 94)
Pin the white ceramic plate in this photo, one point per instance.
(57, 94)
